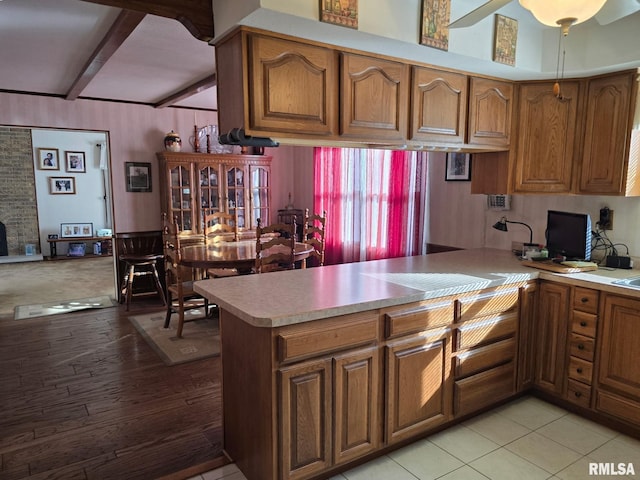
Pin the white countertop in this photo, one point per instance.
(295, 296)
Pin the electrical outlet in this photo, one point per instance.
(606, 219)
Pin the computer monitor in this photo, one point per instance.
(569, 235)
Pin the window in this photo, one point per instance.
(375, 202)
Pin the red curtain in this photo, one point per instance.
(375, 202)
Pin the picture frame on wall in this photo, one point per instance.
(48, 159)
(434, 27)
(505, 40)
(458, 167)
(138, 176)
(75, 162)
(340, 12)
(62, 185)
(76, 230)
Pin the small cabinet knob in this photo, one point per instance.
(580, 346)
(583, 323)
(579, 370)
(584, 299)
(578, 394)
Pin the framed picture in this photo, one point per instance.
(62, 185)
(138, 176)
(48, 159)
(434, 31)
(340, 12)
(505, 38)
(458, 167)
(76, 230)
(75, 162)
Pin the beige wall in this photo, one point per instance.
(136, 133)
(460, 219)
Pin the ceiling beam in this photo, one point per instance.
(195, 15)
(126, 23)
(197, 87)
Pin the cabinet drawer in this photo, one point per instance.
(484, 330)
(618, 406)
(489, 303)
(477, 391)
(580, 370)
(584, 323)
(579, 393)
(585, 300)
(581, 347)
(421, 317)
(343, 332)
(483, 358)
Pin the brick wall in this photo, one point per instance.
(18, 207)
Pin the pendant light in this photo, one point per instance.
(562, 12)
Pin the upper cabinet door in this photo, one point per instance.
(606, 136)
(546, 138)
(490, 107)
(375, 98)
(438, 106)
(293, 87)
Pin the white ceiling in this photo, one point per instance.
(44, 45)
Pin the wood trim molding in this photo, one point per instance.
(197, 87)
(124, 25)
(195, 15)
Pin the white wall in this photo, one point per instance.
(87, 205)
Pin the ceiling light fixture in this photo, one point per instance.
(562, 12)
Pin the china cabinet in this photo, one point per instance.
(197, 184)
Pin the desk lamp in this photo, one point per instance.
(502, 226)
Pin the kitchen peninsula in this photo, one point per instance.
(325, 367)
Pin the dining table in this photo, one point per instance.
(240, 255)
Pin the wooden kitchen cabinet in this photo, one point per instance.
(551, 337)
(374, 98)
(490, 112)
(439, 106)
(343, 387)
(606, 161)
(485, 348)
(618, 377)
(526, 336)
(547, 129)
(197, 184)
(272, 86)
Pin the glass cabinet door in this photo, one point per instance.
(259, 195)
(236, 187)
(210, 190)
(180, 197)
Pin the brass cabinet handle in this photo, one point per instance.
(584, 299)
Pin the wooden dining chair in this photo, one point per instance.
(313, 234)
(275, 247)
(220, 227)
(180, 294)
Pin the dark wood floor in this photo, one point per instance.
(82, 396)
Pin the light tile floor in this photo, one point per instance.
(525, 439)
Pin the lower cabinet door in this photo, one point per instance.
(357, 404)
(418, 385)
(305, 419)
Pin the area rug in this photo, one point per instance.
(55, 308)
(200, 337)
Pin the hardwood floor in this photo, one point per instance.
(82, 396)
